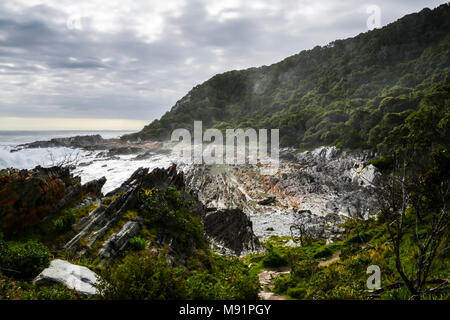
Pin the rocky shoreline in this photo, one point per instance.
(311, 194)
(326, 183)
(112, 147)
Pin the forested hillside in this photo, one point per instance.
(350, 93)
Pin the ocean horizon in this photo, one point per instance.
(14, 137)
(89, 165)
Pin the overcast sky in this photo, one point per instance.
(97, 64)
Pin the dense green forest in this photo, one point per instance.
(350, 93)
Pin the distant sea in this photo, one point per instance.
(13, 138)
(89, 164)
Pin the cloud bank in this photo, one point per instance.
(133, 60)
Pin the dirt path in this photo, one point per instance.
(266, 278)
(333, 258)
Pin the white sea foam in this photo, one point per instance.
(116, 171)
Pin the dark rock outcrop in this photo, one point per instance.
(123, 151)
(231, 230)
(158, 178)
(267, 201)
(86, 142)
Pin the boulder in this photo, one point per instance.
(75, 277)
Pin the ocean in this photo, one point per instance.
(89, 165)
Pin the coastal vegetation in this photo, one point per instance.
(386, 90)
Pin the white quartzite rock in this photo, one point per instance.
(72, 276)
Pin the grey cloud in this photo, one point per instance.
(49, 70)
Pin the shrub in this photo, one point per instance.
(338, 144)
(147, 275)
(323, 252)
(138, 243)
(65, 222)
(170, 212)
(349, 250)
(108, 200)
(235, 279)
(361, 237)
(274, 257)
(383, 163)
(304, 268)
(53, 292)
(141, 276)
(283, 283)
(229, 279)
(297, 293)
(24, 260)
(204, 286)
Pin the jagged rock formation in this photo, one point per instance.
(325, 181)
(235, 235)
(231, 231)
(75, 277)
(28, 196)
(94, 226)
(342, 181)
(123, 151)
(216, 186)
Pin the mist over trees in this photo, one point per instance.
(351, 93)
